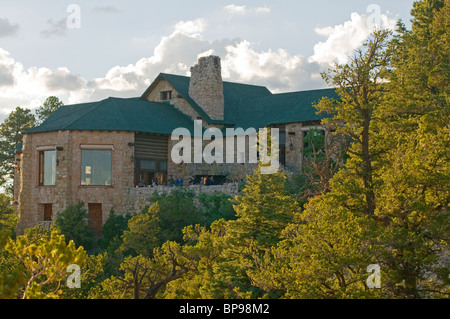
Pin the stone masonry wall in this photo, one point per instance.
(136, 198)
(294, 157)
(68, 189)
(206, 86)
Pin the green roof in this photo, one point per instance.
(282, 108)
(246, 106)
(117, 114)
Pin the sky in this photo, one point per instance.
(84, 51)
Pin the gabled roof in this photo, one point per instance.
(233, 93)
(117, 114)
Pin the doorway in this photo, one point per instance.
(95, 217)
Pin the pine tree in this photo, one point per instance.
(11, 131)
(415, 193)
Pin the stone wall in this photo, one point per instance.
(68, 189)
(136, 198)
(294, 137)
(120, 195)
(206, 86)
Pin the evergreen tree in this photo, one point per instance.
(415, 193)
(45, 258)
(73, 224)
(51, 104)
(11, 131)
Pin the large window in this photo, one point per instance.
(47, 168)
(96, 167)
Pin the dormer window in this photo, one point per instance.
(166, 95)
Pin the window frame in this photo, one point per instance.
(41, 165)
(102, 148)
(165, 95)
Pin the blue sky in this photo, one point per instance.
(121, 46)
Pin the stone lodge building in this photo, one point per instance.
(102, 153)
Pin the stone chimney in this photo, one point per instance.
(206, 86)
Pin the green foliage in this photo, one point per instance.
(72, 222)
(145, 277)
(323, 155)
(361, 91)
(144, 232)
(51, 104)
(12, 273)
(415, 193)
(176, 211)
(91, 275)
(112, 231)
(8, 216)
(228, 250)
(45, 260)
(323, 256)
(216, 206)
(11, 131)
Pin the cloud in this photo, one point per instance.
(7, 28)
(30, 87)
(263, 10)
(58, 28)
(176, 53)
(242, 10)
(105, 9)
(343, 39)
(191, 27)
(63, 80)
(6, 77)
(277, 69)
(232, 8)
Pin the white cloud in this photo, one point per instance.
(30, 87)
(191, 27)
(176, 53)
(343, 39)
(242, 10)
(263, 10)
(232, 8)
(278, 70)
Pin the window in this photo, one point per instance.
(96, 167)
(47, 168)
(148, 165)
(166, 95)
(163, 166)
